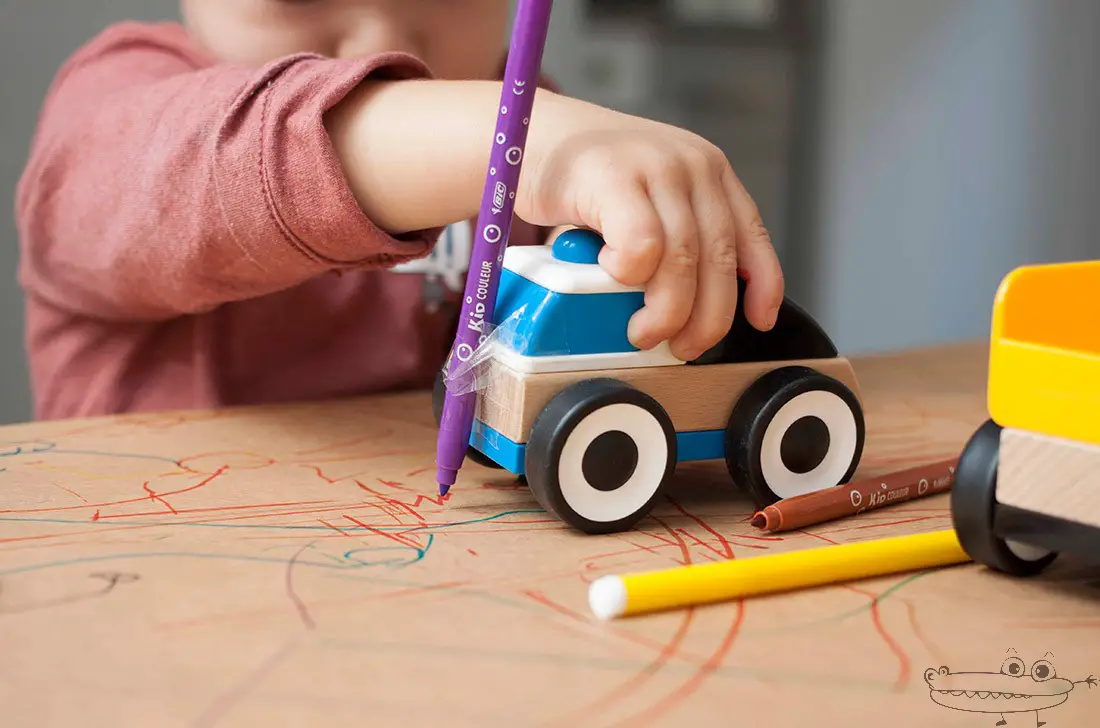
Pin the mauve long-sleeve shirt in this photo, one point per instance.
(189, 240)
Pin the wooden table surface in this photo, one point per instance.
(292, 566)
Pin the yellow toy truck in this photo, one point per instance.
(1028, 481)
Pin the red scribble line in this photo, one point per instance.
(701, 674)
(96, 516)
(932, 649)
(410, 507)
(886, 524)
(341, 531)
(752, 537)
(685, 554)
(891, 644)
(299, 605)
(418, 471)
(392, 536)
(666, 653)
(903, 659)
(204, 482)
(216, 509)
(826, 539)
(726, 551)
(412, 529)
(661, 538)
(472, 552)
(394, 484)
(159, 499)
(227, 700)
(321, 475)
(637, 639)
(704, 671)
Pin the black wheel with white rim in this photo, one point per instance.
(794, 431)
(439, 394)
(600, 454)
(974, 505)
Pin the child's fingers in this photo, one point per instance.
(670, 293)
(632, 231)
(716, 297)
(755, 256)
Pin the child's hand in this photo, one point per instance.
(675, 218)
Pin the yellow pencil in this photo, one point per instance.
(616, 596)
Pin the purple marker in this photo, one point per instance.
(494, 223)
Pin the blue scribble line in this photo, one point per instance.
(302, 527)
(41, 446)
(352, 560)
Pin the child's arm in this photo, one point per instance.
(158, 187)
(675, 216)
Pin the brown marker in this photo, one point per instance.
(856, 497)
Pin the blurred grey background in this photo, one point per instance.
(906, 155)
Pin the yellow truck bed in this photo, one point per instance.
(1044, 366)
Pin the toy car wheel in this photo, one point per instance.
(974, 503)
(600, 454)
(439, 393)
(793, 431)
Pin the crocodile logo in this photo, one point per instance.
(1014, 689)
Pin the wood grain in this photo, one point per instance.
(695, 397)
(1049, 475)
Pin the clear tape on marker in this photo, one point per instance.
(472, 372)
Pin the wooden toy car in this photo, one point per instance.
(1028, 480)
(597, 426)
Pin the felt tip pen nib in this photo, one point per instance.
(446, 478)
(759, 520)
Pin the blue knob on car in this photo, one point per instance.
(578, 246)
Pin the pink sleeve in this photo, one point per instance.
(159, 184)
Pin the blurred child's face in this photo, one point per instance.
(458, 39)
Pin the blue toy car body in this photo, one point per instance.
(597, 426)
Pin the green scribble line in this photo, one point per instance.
(275, 527)
(834, 619)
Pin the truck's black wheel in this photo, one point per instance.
(600, 454)
(793, 431)
(974, 504)
(439, 393)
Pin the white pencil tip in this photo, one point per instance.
(607, 597)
